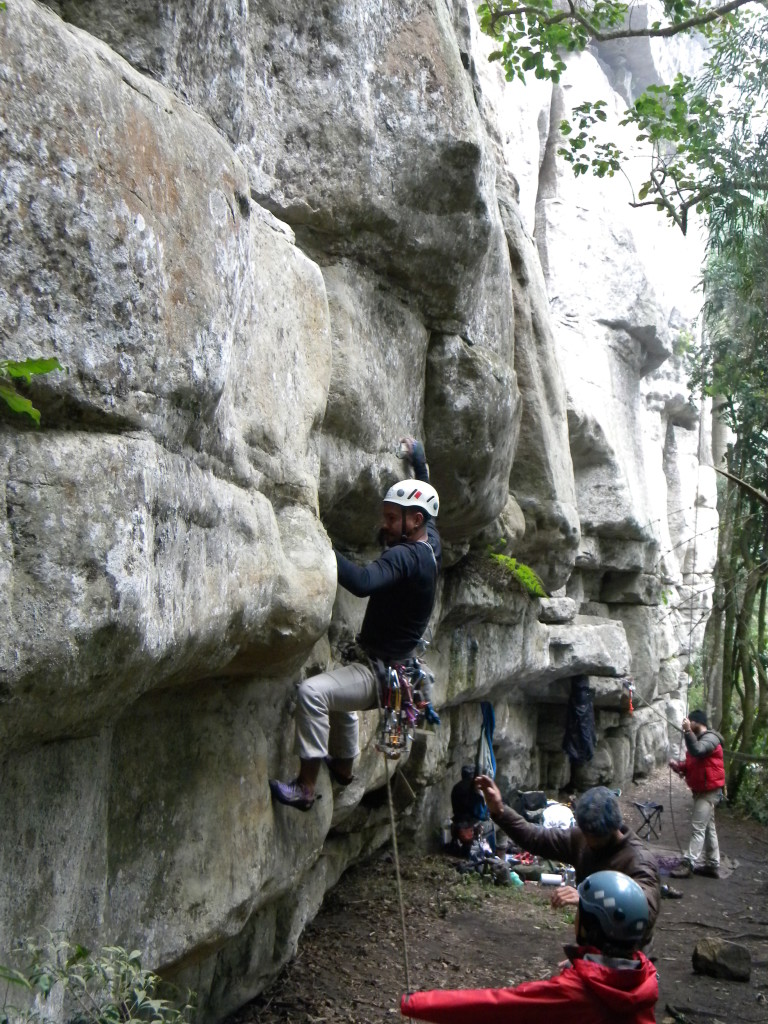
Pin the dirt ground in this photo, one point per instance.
(464, 932)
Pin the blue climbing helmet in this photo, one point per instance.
(613, 912)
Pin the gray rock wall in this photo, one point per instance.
(266, 241)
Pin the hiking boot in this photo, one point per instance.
(292, 794)
(707, 870)
(683, 870)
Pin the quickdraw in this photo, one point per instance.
(405, 691)
(626, 705)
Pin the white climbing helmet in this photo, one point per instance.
(414, 494)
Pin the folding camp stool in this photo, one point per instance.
(651, 824)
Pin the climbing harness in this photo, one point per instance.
(405, 701)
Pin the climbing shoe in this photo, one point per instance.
(341, 780)
(668, 892)
(292, 794)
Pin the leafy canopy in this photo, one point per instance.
(706, 133)
(730, 364)
(534, 34)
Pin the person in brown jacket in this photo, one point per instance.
(599, 841)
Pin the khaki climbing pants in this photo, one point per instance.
(326, 719)
(703, 832)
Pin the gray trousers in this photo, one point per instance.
(326, 718)
(703, 832)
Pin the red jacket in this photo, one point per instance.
(594, 990)
(703, 767)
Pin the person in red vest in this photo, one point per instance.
(606, 979)
(704, 771)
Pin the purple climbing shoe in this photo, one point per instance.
(292, 794)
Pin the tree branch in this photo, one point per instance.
(672, 30)
(742, 483)
(662, 32)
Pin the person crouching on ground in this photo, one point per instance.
(704, 771)
(599, 842)
(401, 585)
(606, 978)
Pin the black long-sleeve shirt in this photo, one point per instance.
(401, 585)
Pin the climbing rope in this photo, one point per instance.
(396, 857)
(670, 725)
(395, 854)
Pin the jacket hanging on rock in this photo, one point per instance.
(580, 737)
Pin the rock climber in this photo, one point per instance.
(599, 841)
(704, 771)
(605, 979)
(401, 585)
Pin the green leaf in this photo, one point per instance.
(14, 977)
(18, 403)
(28, 367)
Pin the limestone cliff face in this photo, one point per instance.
(267, 240)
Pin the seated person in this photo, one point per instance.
(469, 811)
(599, 841)
(606, 978)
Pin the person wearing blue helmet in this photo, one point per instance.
(605, 979)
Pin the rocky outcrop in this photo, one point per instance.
(265, 244)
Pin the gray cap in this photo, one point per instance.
(598, 813)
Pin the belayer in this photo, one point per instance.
(401, 585)
(606, 978)
(600, 841)
(704, 771)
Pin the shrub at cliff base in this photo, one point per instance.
(110, 987)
